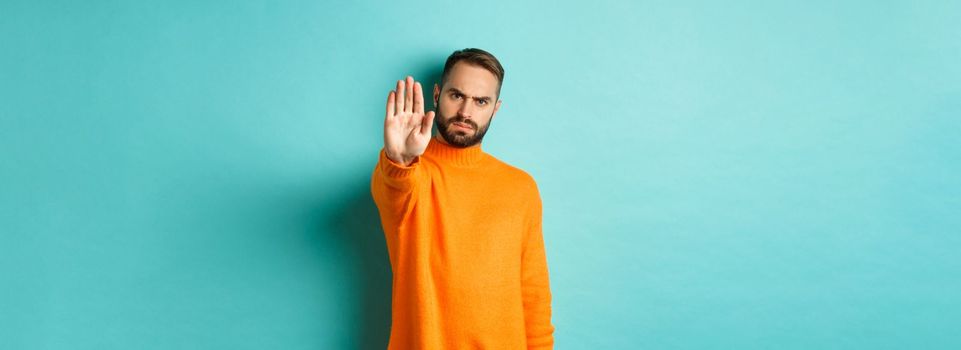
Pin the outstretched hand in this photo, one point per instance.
(406, 127)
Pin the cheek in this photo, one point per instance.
(445, 107)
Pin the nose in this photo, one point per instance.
(464, 110)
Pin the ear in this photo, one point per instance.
(497, 106)
(436, 94)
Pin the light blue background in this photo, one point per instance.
(715, 175)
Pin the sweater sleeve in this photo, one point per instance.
(535, 286)
(394, 188)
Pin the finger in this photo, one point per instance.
(409, 94)
(418, 98)
(425, 126)
(399, 97)
(390, 104)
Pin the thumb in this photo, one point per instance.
(427, 123)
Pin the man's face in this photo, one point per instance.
(466, 104)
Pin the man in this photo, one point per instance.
(463, 228)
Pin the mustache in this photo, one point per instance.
(463, 121)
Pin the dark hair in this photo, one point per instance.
(475, 57)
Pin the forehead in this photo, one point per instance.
(472, 80)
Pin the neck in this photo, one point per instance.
(439, 149)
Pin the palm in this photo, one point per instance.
(406, 127)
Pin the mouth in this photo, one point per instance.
(463, 126)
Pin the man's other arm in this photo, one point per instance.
(535, 285)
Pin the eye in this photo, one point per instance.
(482, 102)
(455, 95)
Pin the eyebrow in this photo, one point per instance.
(477, 98)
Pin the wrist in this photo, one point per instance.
(400, 159)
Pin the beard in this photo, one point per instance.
(458, 137)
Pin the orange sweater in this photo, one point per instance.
(463, 231)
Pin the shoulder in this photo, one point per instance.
(517, 177)
(523, 189)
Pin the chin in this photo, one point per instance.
(459, 138)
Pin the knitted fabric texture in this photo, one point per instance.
(466, 246)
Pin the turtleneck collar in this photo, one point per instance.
(469, 156)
